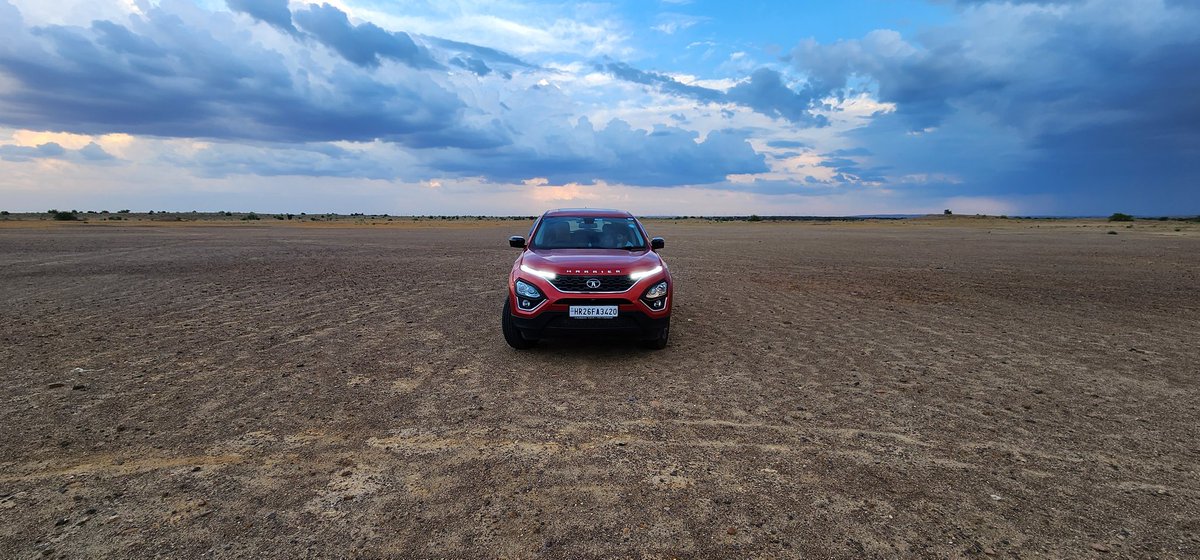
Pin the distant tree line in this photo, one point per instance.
(75, 215)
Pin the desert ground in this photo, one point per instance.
(916, 388)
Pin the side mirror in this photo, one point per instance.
(657, 243)
(516, 241)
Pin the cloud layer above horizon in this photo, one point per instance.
(1064, 107)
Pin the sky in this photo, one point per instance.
(660, 107)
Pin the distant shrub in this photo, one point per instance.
(3, 212)
(64, 216)
(115, 218)
(1003, 217)
(250, 216)
(947, 212)
(1111, 232)
(122, 211)
(1120, 217)
(1162, 218)
(279, 217)
(754, 218)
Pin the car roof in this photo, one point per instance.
(588, 212)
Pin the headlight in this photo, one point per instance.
(656, 297)
(539, 273)
(639, 275)
(656, 291)
(527, 290)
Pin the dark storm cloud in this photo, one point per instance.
(196, 75)
(10, 152)
(470, 51)
(661, 81)
(921, 83)
(92, 152)
(851, 171)
(618, 154)
(1099, 103)
(846, 152)
(766, 93)
(476, 66)
(763, 92)
(118, 39)
(272, 12)
(787, 144)
(364, 44)
(169, 78)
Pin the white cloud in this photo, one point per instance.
(671, 23)
(74, 12)
(532, 30)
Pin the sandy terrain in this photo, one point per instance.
(927, 388)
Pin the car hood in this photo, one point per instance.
(591, 261)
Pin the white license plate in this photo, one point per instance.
(593, 311)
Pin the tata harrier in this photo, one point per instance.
(587, 273)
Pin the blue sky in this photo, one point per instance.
(661, 107)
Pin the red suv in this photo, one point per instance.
(587, 272)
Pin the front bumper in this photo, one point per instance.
(553, 324)
(549, 317)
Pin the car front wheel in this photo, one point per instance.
(660, 342)
(511, 334)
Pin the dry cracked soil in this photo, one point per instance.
(874, 390)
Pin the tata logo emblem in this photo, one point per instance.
(593, 283)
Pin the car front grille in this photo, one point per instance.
(580, 283)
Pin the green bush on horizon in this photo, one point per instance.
(1120, 217)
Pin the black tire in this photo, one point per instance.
(660, 342)
(512, 335)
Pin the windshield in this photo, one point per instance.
(589, 233)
